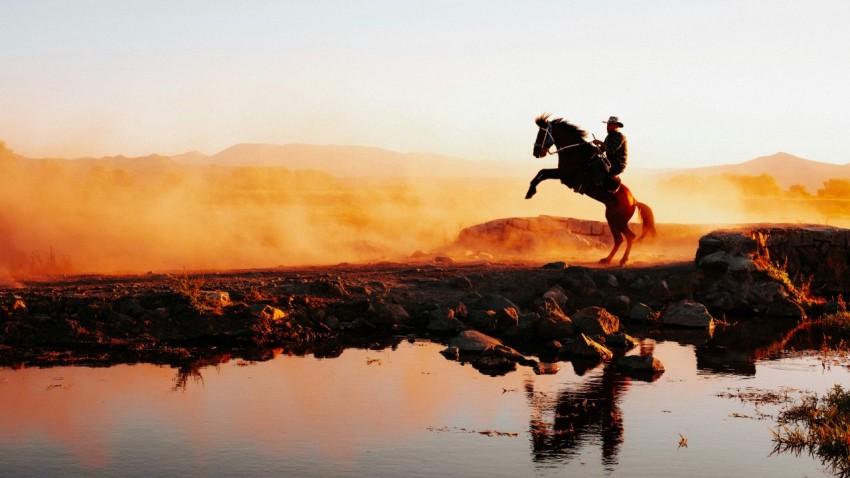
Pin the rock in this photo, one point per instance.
(496, 303)
(558, 295)
(687, 313)
(506, 352)
(473, 341)
(267, 312)
(640, 364)
(492, 365)
(451, 353)
(460, 282)
(386, 313)
(641, 312)
(786, 308)
(584, 347)
(621, 341)
(619, 306)
(578, 280)
(555, 265)
(595, 321)
(215, 298)
(542, 368)
(554, 324)
(659, 290)
(612, 281)
(444, 260)
(722, 262)
(443, 321)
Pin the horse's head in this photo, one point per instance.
(544, 139)
(556, 132)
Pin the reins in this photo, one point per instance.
(549, 136)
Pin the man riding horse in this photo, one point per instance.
(616, 150)
(583, 168)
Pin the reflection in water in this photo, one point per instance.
(562, 424)
(311, 416)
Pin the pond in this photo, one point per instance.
(406, 411)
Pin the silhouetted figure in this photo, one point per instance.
(616, 153)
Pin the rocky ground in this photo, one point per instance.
(501, 313)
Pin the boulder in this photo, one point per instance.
(640, 364)
(553, 324)
(496, 303)
(443, 321)
(267, 312)
(620, 340)
(687, 313)
(595, 321)
(558, 295)
(473, 341)
(641, 312)
(382, 312)
(585, 347)
(542, 368)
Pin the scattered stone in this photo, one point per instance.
(542, 368)
(473, 341)
(451, 353)
(612, 281)
(786, 308)
(214, 298)
(495, 302)
(578, 281)
(554, 324)
(640, 364)
(555, 265)
(687, 313)
(460, 282)
(443, 321)
(493, 365)
(558, 295)
(444, 260)
(267, 312)
(585, 347)
(619, 306)
(641, 312)
(621, 341)
(386, 313)
(595, 321)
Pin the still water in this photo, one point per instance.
(405, 411)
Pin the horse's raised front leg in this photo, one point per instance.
(543, 175)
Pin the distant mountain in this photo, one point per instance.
(786, 168)
(358, 161)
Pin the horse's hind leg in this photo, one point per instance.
(630, 237)
(543, 175)
(618, 239)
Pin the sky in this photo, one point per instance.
(696, 83)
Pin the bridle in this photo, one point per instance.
(550, 140)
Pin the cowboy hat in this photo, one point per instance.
(614, 120)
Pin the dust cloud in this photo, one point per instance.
(113, 215)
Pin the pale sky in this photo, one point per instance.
(695, 82)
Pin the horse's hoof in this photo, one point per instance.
(530, 194)
(605, 260)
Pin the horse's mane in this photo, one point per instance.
(561, 123)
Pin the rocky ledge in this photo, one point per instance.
(494, 315)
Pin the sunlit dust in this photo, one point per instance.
(119, 214)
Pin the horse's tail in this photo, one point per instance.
(647, 218)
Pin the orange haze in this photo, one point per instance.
(137, 215)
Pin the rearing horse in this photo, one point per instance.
(575, 155)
